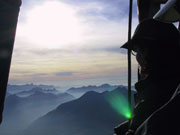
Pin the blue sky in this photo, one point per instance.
(71, 42)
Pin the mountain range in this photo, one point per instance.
(92, 110)
(91, 114)
(19, 88)
(77, 92)
(36, 90)
(19, 112)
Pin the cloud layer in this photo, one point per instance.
(94, 58)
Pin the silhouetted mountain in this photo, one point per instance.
(91, 114)
(77, 92)
(36, 89)
(19, 112)
(19, 88)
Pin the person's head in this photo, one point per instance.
(157, 47)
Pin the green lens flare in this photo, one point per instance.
(128, 115)
(119, 103)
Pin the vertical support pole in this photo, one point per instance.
(129, 54)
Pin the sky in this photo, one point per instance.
(72, 43)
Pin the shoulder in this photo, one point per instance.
(164, 120)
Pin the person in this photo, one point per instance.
(157, 48)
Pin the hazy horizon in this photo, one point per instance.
(65, 88)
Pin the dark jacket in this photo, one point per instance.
(164, 121)
(152, 93)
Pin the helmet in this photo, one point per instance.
(153, 30)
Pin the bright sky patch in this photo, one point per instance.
(52, 25)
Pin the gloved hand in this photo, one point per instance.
(130, 132)
(122, 128)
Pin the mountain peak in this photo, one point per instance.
(105, 85)
(78, 92)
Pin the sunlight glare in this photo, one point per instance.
(52, 25)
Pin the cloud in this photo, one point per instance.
(100, 24)
(65, 74)
(111, 9)
(96, 57)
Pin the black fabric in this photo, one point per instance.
(9, 10)
(151, 96)
(152, 93)
(165, 121)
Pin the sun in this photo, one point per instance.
(52, 25)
